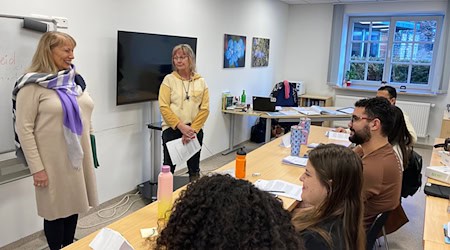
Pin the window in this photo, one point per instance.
(399, 50)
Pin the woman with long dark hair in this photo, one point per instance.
(400, 138)
(332, 185)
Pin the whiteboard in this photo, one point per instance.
(17, 46)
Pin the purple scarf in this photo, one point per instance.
(64, 84)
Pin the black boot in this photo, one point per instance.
(193, 177)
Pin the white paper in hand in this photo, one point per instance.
(180, 153)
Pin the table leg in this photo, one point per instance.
(231, 147)
(268, 130)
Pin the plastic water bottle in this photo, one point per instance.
(240, 164)
(165, 190)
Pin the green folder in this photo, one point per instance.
(94, 151)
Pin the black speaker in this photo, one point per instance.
(31, 24)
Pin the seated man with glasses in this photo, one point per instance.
(369, 128)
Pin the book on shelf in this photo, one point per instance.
(227, 100)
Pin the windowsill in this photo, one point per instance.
(369, 89)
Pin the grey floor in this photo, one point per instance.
(408, 237)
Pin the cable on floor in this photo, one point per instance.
(114, 207)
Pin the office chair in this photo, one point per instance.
(291, 100)
(377, 226)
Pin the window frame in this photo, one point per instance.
(390, 43)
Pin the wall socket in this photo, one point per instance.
(61, 22)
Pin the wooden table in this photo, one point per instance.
(265, 160)
(292, 117)
(435, 211)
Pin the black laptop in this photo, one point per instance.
(264, 103)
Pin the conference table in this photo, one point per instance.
(292, 115)
(436, 214)
(262, 163)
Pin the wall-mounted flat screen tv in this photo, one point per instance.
(142, 62)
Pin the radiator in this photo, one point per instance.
(418, 112)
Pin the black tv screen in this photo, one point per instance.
(142, 62)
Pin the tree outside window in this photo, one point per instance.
(399, 50)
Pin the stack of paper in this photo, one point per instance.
(282, 188)
(276, 113)
(440, 173)
(108, 239)
(306, 111)
(338, 136)
(295, 160)
(348, 110)
(324, 111)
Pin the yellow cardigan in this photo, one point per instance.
(177, 106)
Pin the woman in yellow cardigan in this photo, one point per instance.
(184, 104)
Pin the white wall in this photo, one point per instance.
(121, 133)
(308, 43)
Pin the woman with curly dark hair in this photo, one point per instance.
(221, 212)
(332, 185)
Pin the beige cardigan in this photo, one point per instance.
(39, 125)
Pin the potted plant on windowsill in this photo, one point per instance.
(349, 75)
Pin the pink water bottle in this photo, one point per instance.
(165, 190)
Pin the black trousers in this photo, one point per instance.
(60, 232)
(193, 163)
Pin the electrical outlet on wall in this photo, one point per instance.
(448, 107)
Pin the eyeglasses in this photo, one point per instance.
(356, 118)
(179, 58)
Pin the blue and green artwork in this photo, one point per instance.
(234, 51)
(260, 52)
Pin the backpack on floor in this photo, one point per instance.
(258, 132)
(412, 175)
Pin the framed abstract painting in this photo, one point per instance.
(260, 52)
(234, 51)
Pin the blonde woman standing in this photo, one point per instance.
(184, 104)
(52, 120)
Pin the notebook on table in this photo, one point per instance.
(264, 103)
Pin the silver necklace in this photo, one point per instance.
(186, 91)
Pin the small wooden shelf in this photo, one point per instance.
(309, 100)
(323, 101)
